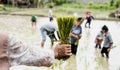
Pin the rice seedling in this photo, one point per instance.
(64, 26)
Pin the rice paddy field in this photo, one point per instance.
(87, 58)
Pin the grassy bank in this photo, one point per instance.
(98, 11)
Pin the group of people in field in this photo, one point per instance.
(76, 33)
(105, 35)
(14, 52)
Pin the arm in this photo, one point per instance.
(34, 56)
(92, 17)
(4, 63)
(111, 42)
(110, 47)
(79, 37)
(62, 51)
(28, 55)
(57, 35)
(74, 36)
(59, 52)
(56, 32)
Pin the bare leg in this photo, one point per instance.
(96, 45)
(42, 44)
(86, 24)
(99, 46)
(32, 24)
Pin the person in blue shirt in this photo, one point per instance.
(76, 34)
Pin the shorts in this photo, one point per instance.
(33, 20)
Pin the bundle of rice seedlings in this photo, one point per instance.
(65, 25)
(64, 28)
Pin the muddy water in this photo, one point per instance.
(88, 58)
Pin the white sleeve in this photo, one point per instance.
(56, 35)
(23, 54)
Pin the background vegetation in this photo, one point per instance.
(60, 7)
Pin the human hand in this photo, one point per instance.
(62, 51)
(108, 49)
(74, 36)
(79, 37)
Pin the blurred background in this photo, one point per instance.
(99, 8)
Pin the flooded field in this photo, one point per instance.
(87, 58)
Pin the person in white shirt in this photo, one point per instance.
(48, 29)
(50, 13)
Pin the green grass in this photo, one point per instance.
(62, 11)
(7, 8)
(82, 11)
(39, 11)
(65, 10)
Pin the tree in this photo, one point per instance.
(41, 3)
(8, 2)
(38, 3)
(13, 3)
(111, 2)
(117, 4)
(59, 2)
